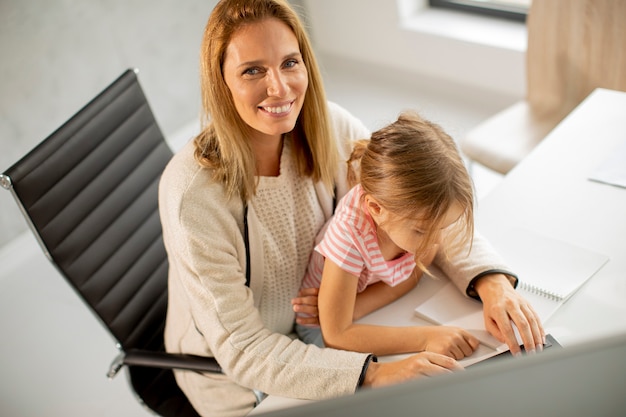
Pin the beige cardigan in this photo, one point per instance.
(212, 312)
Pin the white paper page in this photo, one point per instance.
(554, 265)
(451, 308)
(612, 170)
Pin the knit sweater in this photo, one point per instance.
(212, 312)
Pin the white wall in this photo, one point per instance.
(58, 54)
(448, 46)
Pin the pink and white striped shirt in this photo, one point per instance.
(349, 240)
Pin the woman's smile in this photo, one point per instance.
(278, 110)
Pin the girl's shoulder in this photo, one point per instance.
(351, 213)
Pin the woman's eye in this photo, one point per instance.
(252, 71)
(291, 63)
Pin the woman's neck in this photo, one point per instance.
(267, 154)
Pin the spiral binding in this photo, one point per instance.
(540, 291)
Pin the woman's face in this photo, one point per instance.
(267, 78)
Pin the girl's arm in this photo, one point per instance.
(380, 294)
(336, 304)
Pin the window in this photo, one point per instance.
(509, 9)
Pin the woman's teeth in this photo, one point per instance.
(281, 109)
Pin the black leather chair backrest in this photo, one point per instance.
(90, 193)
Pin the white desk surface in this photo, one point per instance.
(549, 192)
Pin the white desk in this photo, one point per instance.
(549, 192)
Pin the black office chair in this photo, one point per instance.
(89, 193)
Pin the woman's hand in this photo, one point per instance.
(502, 307)
(415, 366)
(305, 306)
(454, 342)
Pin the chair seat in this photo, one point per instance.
(504, 139)
(157, 390)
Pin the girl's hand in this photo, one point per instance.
(454, 342)
(415, 366)
(305, 306)
(502, 307)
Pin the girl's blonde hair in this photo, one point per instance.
(223, 144)
(414, 170)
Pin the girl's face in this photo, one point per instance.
(409, 234)
(267, 78)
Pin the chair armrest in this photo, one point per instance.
(164, 360)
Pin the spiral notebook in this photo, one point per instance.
(550, 271)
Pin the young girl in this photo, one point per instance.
(412, 203)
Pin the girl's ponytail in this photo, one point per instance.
(354, 162)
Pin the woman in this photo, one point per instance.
(246, 199)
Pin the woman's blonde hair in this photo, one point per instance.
(223, 144)
(414, 170)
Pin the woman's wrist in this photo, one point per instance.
(367, 373)
(493, 281)
(487, 279)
